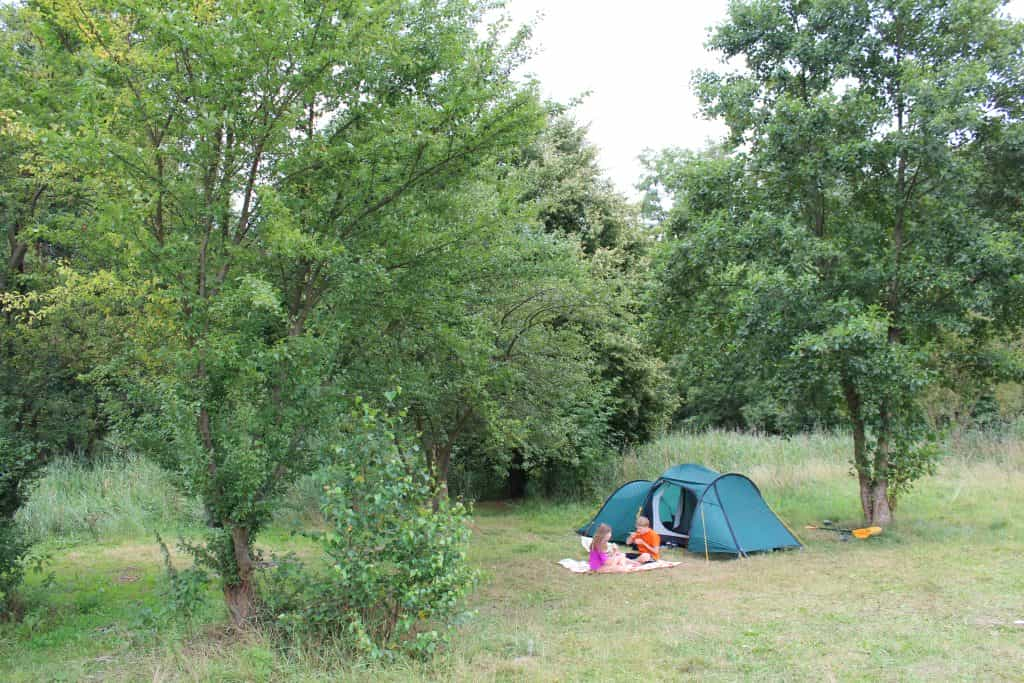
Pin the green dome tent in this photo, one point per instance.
(695, 507)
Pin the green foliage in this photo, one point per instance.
(20, 464)
(395, 551)
(13, 550)
(562, 182)
(270, 211)
(43, 194)
(486, 338)
(565, 186)
(846, 231)
(46, 403)
(260, 169)
(891, 379)
(46, 408)
(186, 591)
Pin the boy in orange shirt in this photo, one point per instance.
(645, 540)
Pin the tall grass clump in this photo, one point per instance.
(111, 498)
(779, 460)
(1003, 447)
(809, 476)
(812, 456)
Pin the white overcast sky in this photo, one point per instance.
(635, 58)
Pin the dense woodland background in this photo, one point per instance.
(346, 245)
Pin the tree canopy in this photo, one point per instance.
(256, 240)
(253, 214)
(844, 234)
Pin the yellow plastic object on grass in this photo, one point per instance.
(863, 532)
(866, 531)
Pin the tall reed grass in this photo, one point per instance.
(113, 498)
(810, 476)
(1003, 448)
(783, 460)
(791, 460)
(129, 497)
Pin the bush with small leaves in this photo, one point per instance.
(186, 590)
(12, 551)
(20, 464)
(395, 551)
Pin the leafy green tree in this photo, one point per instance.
(563, 182)
(45, 408)
(477, 319)
(720, 384)
(850, 241)
(565, 185)
(490, 321)
(254, 150)
(42, 196)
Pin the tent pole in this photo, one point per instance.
(739, 548)
(705, 528)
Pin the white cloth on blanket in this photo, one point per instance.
(575, 566)
(583, 567)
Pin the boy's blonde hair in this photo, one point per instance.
(643, 521)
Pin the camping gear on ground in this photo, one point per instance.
(862, 533)
(697, 508)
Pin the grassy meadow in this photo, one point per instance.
(935, 597)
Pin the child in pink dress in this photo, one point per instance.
(602, 559)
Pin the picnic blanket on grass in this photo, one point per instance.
(583, 567)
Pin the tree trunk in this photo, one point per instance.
(881, 510)
(517, 475)
(439, 462)
(444, 462)
(15, 264)
(240, 597)
(874, 484)
(874, 500)
(241, 601)
(439, 455)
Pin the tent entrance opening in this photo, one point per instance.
(672, 509)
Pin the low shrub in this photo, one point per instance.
(20, 464)
(395, 553)
(13, 549)
(185, 592)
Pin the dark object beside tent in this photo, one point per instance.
(695, 507)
